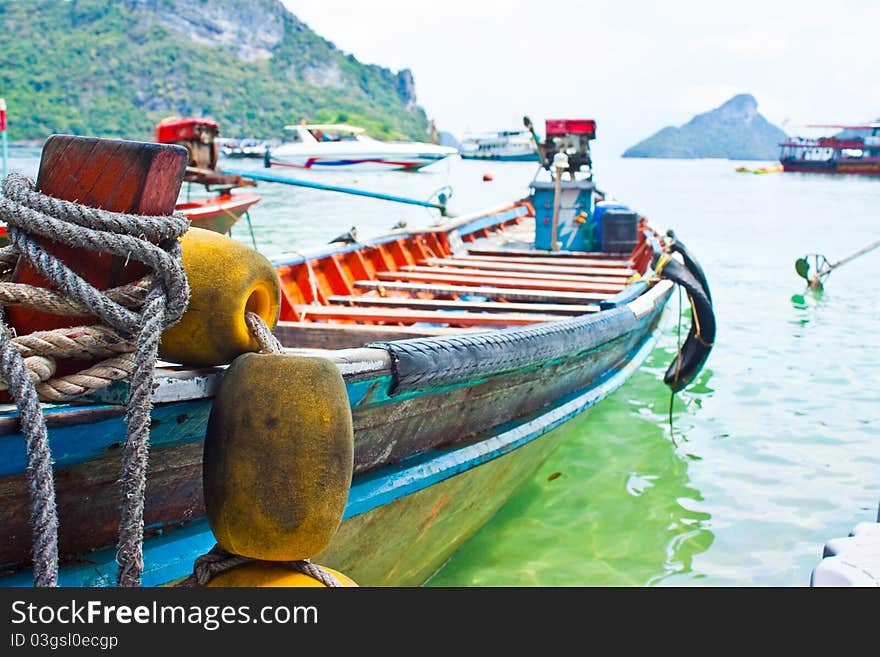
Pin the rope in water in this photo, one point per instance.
(152, 241)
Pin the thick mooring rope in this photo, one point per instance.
(149, 240)
(269, 344)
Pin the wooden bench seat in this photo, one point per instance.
(558, 258)
(483, 306)
(571, 277)
(501, 282)
(510, 294)
(410, 316)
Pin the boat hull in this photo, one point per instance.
(402, 521)
(217, 213)
(863, 168)
(521, 157)
(355, 162)
(359, 154)
(446, 426)
(388, 427)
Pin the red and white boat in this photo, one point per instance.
(856, 150)
(217, 213)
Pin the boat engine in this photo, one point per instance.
(196, 135)
(571, 137)
(572, 214)
(199, 136)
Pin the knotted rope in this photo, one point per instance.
(218, 560)
(152, 241)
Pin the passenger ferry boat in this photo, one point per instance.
(505, 145)
(856, 150)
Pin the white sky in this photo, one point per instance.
(633, 66)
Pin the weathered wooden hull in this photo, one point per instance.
(387, 428)
(402, 521)
(217, 213)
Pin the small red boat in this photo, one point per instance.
(217, 213)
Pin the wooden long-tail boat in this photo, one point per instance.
(462, 347)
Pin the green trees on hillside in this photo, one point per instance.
(102, 68)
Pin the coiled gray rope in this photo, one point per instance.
(149, 240)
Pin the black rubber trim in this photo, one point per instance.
(419, 363)
(629, 293)
(691, 263)
(701, 337)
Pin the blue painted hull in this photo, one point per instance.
(526, 157)
(169, 555)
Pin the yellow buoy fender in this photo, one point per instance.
(279, 451)
(268, 574)
(226, 279)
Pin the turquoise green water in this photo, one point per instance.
(777, 445)
(775, 448)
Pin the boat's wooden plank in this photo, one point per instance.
(462, 270)
(522, 283)
(410, 315)
(485, 306)
(558, 261)
(511, 264)
(87, 497)
(551, 255)
(510, 294)
(345, 336)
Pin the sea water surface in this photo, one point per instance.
(773, 450)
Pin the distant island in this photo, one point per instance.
(448, 139)
(735, 131)
(108, 68)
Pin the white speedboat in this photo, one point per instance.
(505, 145)
(337, 146)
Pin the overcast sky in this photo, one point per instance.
(634, 66)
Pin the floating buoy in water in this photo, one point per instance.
(488, 177)
(226, 279)
(268, 574)
(279, 452)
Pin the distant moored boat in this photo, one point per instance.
(504, 145)
(856, 153)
